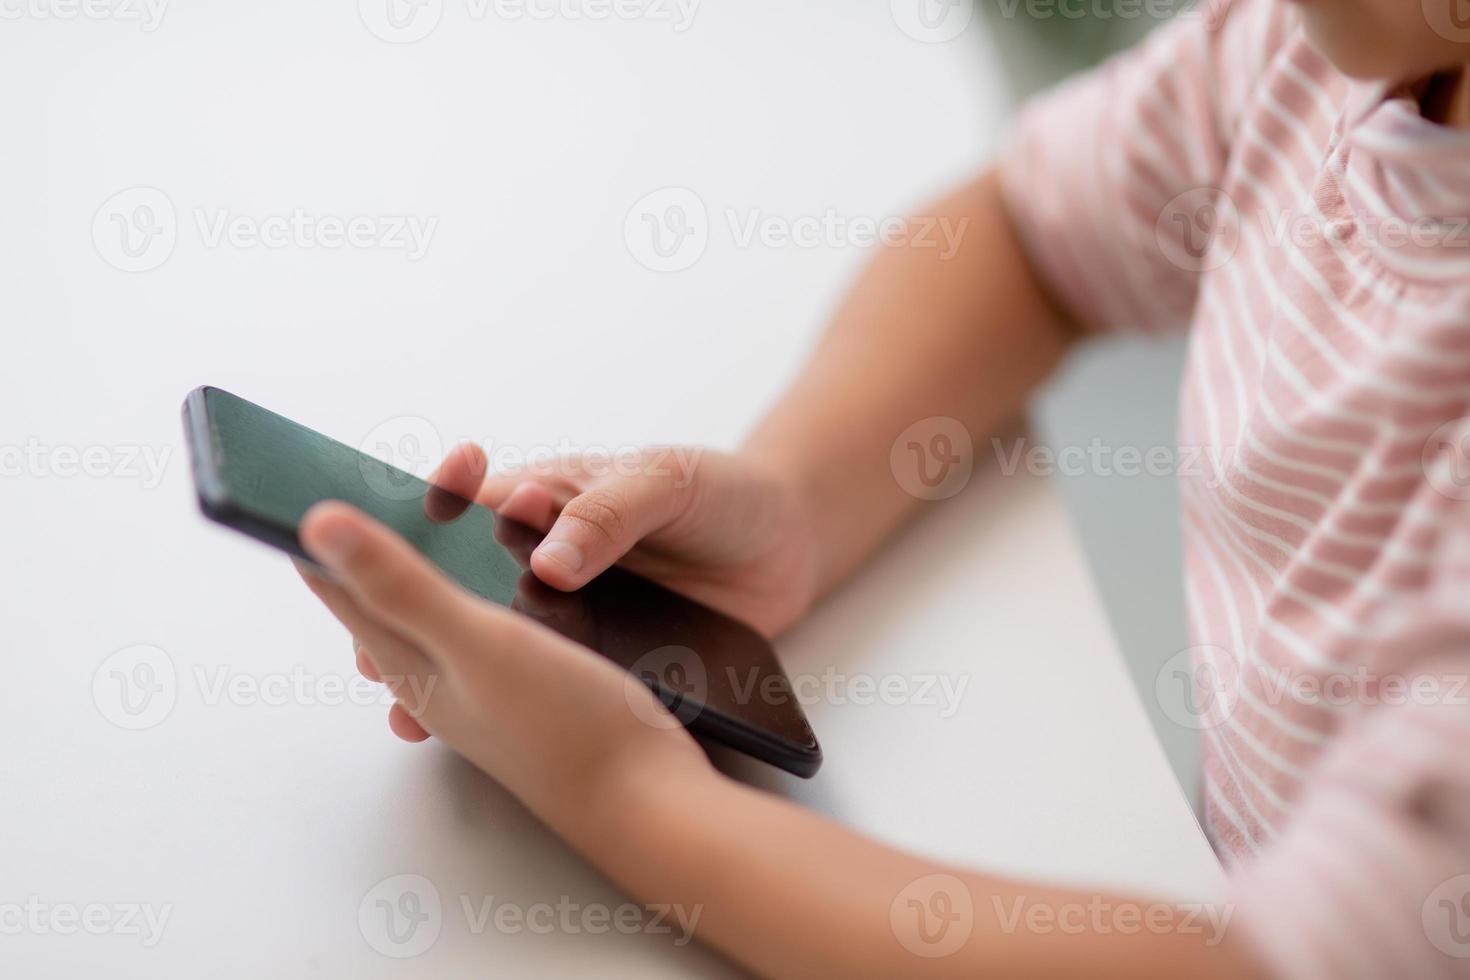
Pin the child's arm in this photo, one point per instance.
(789, 893)
(920, 335)
(782, 890)
(761, 534)
(927, 332)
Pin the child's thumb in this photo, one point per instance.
(600, 526)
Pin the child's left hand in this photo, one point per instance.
(561, 727)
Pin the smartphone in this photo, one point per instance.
(258, 473)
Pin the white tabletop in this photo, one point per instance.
(253, 806)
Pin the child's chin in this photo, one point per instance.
(1385, 40)
(1354, 52)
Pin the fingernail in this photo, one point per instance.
(563, 553)
(333, 543)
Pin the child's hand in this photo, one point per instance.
(558, 725)
(715, 527)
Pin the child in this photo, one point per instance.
(1292, 183)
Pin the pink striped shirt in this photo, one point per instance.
(1312, 233)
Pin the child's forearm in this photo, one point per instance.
(784, 891)
(922, 334)
(788, 893)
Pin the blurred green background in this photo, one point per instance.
(1041, 41)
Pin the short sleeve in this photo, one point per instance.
(1110, 178)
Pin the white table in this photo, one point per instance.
(260, 817)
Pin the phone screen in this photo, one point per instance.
(260, 472)
(277, 470)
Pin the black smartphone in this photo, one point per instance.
(259, 473)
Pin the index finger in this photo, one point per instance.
(456, 482)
